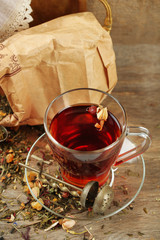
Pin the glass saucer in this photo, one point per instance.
(126, 182)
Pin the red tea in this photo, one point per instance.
(74, 128)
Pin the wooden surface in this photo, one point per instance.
(135, 23)
(138, 90)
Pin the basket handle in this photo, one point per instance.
(108, 19)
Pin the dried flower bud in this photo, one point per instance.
(31, 176)
(92, 109)
(22, 206)
(47, 202)
(9, 158)
(102, 113)
(2, 178)
(11, 218)
(37, 205)
(65, 194)
(68, 223)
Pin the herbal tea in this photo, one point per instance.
(75, 128)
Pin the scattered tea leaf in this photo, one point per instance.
(158, 199)
(129, 234)
(145, 210)
(158, 126)
(107, 233)
(129, 172)
(131, 207)
(13, 230)
(76, 233)
(52, 226)
(102, 226)
(25, 235)
(140, 234)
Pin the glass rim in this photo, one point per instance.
(52, 139)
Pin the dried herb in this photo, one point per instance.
(145, 210)
(140, 234)
(102, 115)
(2, 133)
(129, 234)
(25, 235)
(131, 173)
(13, 151)
(102, 226)
(107, 233)
(131, 207)
(158, 125)
(5, 108)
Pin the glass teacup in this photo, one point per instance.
(84, 152)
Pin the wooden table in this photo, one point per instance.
(138, 91)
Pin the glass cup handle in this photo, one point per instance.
(140, 132)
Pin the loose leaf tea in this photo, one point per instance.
(12, 152)
(5, 108)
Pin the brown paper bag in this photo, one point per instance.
(39, 63)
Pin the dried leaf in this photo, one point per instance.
(36, 191)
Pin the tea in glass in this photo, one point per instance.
(86, 128)
(74, 128)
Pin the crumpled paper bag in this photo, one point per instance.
(42, 62)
